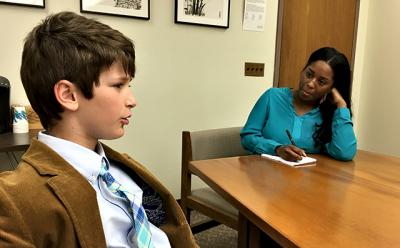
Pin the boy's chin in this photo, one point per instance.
(113, 136)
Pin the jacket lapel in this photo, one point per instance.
(73, 190)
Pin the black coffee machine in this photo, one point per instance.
(5, 112)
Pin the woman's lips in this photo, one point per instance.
(305, 93)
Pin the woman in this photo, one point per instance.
(317, 114)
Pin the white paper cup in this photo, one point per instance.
(20, 128)
(20, 121)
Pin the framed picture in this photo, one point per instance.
(125, 8)
(203, 12)
(30, 3)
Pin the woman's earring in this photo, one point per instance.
(323, 99)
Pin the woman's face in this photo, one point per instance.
(316, 81)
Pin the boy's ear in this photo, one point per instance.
(66, 94)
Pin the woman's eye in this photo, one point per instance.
(309, 74)
(322, 81)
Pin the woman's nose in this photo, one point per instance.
(311, 82)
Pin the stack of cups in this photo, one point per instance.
(20, 121)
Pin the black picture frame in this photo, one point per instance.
(27, 3)
(197, 12)
(131, 11)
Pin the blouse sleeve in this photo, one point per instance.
(251, 134)
(343, 145)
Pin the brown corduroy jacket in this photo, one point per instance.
(46, 203)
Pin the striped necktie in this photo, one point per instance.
(141, 223)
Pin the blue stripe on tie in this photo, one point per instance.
(141, 223)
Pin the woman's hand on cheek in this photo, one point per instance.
(290, 153)
(338, 99)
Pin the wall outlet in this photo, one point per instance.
(254, 69)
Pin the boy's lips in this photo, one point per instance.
(125, 120)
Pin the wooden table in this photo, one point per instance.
(333, 204)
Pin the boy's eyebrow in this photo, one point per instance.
(123, 78)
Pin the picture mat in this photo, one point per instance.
(26, 2)
(100, 6)
(212, 20)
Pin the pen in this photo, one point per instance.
(292, 141)
(290, 137)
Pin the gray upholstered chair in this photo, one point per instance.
(208, 144)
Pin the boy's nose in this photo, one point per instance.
(131, 100)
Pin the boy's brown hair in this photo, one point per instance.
(68, 46)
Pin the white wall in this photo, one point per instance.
(359, 60)
(379, 115)
(188, 77)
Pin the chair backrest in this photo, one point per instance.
(216, 143)
(207, 144)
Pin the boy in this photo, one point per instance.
(69, 189)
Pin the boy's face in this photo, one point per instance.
(105, 115)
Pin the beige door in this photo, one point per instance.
(306, 25)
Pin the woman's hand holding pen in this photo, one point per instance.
(290, 152)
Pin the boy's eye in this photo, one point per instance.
(119, 85)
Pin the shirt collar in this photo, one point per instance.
(84, 160)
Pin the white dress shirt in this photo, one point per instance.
(113, 211)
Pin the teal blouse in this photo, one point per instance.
(274, 113)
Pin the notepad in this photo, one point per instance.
(305, 161)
